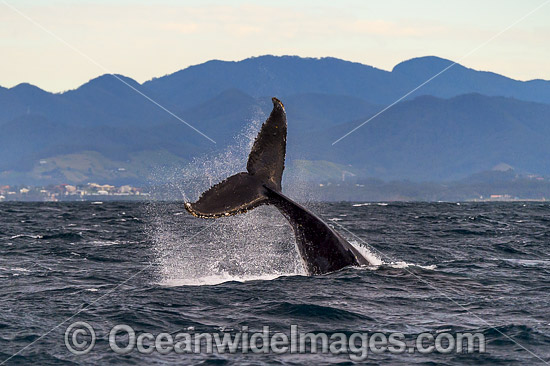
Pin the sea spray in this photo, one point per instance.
(256, 245)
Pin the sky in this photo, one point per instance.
(59, 45)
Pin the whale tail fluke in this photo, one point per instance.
(237, 194)
(245, 191)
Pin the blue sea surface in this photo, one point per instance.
(437, 267)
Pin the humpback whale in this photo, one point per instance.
(322, 249)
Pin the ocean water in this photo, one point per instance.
(437, 268)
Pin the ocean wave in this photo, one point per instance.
(63, 235)
(301, 310)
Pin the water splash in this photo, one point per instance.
(256, 245)
(376, 262)
(367, 253)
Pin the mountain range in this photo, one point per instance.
(461, 123)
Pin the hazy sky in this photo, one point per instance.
(144, 39)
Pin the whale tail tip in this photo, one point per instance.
(246, 190)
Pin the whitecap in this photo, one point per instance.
(105, 243)
(403, 264)
(217, 279)
(370, 204)
(27, 236)
(20, 269)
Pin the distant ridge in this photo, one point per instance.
(285, 75)
(463, 122)
(292, 74)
